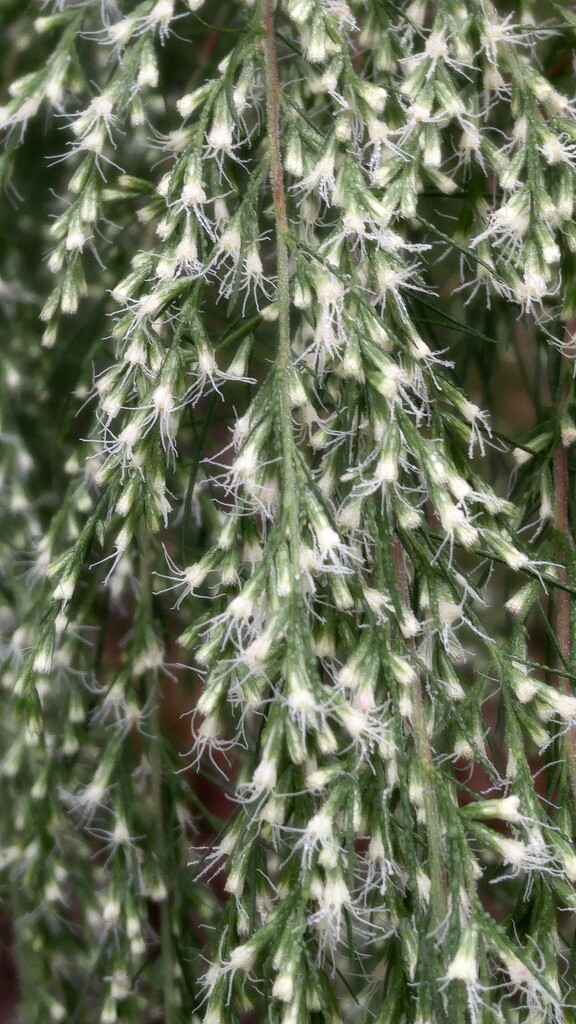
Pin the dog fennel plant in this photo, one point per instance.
(263, 266)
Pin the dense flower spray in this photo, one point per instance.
(280, 255)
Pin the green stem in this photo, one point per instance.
(156, 771)
(438, 896)
(165, 913)
(283, 356)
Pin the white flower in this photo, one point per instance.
(264, 777)
(122, 31)
(562, 704)
(162, 14)
(163, 399)
(375, 96)
(220, 136)
(241, 607)
(242, 958)
(436, 47)
(231, 242)
(283, 987)
(513, 851)
(329, 290)
(193, 193)
(524, 687)
(319, 828)
(464, 966)
(327, 539)
(335, 894)
(64, 591)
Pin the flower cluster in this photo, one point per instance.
(280, 510)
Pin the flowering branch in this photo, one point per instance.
(280, 688)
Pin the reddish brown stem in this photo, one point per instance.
(273, 105)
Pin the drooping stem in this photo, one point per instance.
(438, 897)
(273, 114)
(562, 598)
(156, 772)
(283, 362)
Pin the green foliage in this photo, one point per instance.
(263, 266)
